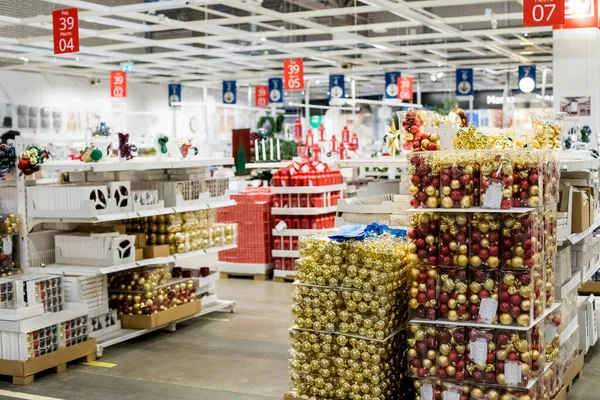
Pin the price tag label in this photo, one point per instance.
(293, 74)
(543, 12)
(426, 392)
(512, 372)
(493, 194)
(261, 96)
(478, 351)
(550, 331)
(118, 84)
(487, 310)
(65, 30)
(450, 395)
(281, 226)
(7, 246)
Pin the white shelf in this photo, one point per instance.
(514, 210)
(137, 164)
(575, 238)
(123, 335)
(381, 162)
(244, 268)
(569, 286)
(569, 329)
(286, 253)
(268, 164)
(471, 324)
(296, 232)
(579, 165)
(591, 273)
(137, 214)
(307, 189)
(283, 273)
(84, 270)
(348, 205)
(302, 210)
(207, 281)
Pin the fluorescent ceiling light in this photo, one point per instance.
(262, 39)
(317, 82)
(433, 78)
(380, 47)
(527, 84)
(440, 75)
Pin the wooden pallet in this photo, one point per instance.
(256, 277)
(574, 371)
(23, 372)
(284, 278)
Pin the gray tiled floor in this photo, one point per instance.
(225, 356)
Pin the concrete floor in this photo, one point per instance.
(240, 356)
(220, 356)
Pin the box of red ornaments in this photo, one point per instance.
(417, 134)
(306, 173)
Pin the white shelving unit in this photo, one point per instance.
(302, 210)
(207, 291)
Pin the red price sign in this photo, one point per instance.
(293, 74)
(118, 84)
(543, 12)
(261, 96)
(65, 29)
(405, 88)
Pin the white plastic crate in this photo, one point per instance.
(185, 192)
(91, 290)
(69, 201)
(97, 250)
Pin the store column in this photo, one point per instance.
(576, 74)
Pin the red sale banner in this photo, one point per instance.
(543, 12)
(293, 74)
(65, 29)
(261, 96)
(118, 84)
(580, 14)
(405, 88)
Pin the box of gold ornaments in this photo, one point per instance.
(349, 308)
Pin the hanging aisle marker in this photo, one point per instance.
(275, 90)
(405, 88)
(464, 82)
(293, 74)
(391, 85)
(229, 92)
(543, 12)
(261, 96)
(118, 84)
(65, 29)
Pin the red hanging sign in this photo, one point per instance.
(65, 29)
(261, 96)
(580, 14)
(405, 88)
(293, 74)
(118, 84)
(543, 12)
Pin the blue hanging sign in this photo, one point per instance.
(337, 88)
(391, 85)
(229, 92)
(174, 94)
(464, 82)
(527, 75)
(275, 90)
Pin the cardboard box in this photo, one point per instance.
(575, 368)
(582, 209)
(159, 250)
(89, 228)
(590, 287)
(139, 254)
(140, 240)
(24, 369)
(562, 395)
(161, 318)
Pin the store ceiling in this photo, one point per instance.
(202, 42)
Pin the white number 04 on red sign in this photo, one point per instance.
(65, 31)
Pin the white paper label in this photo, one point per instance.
(449, 395)
(281, 226)
(487, 310)
(512, 372)
(426, 392)
(478, 351)
(550, 331)
(493, 194)
(7, 246)
(320, 167)
(305, 168)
